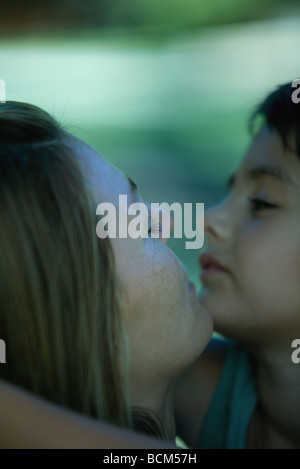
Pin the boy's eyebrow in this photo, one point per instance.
(263, 171)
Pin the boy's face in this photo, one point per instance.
(255, 234)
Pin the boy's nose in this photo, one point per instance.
(217, 223)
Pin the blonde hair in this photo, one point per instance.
(59, 309)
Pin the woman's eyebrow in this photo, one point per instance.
(133, 188)
(231, 181)
(133, 185)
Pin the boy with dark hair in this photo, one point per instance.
(244, 392)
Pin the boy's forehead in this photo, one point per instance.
(268, 156)
(267, 148)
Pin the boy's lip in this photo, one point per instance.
(210, 265)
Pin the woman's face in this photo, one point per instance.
(255, 234)
(166, 326)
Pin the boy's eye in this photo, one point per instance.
(260, 204)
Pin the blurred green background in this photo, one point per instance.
(162, 88)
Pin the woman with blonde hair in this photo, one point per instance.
(101, 326)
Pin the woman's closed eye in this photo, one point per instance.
(154, 226)
(260, 204)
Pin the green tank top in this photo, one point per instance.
(226, 422)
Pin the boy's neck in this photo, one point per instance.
(276, 421)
